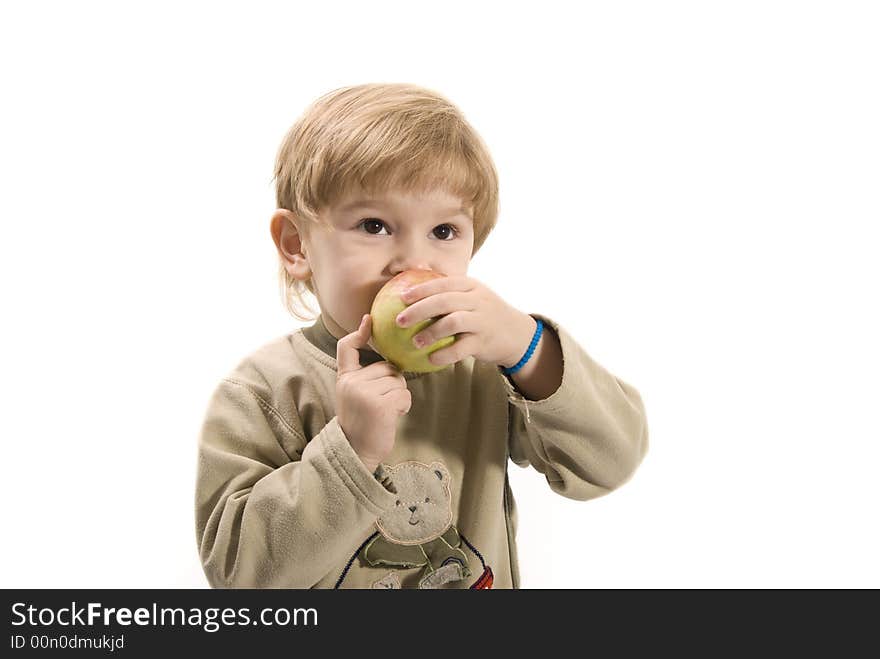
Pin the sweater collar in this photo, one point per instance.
(320, 337)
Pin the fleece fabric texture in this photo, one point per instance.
(283, 501)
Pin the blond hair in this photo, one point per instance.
(380, 137)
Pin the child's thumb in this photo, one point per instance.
(347, 347)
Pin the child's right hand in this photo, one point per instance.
(369, 400)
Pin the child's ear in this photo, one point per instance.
(291, 246)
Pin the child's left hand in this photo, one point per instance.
(490, 329)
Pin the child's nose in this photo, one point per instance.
(410, 254)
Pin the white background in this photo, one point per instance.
(690, 188)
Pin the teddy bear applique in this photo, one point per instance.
(418, 531)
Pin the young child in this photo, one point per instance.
(323, 466)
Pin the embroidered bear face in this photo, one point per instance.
(424, 504)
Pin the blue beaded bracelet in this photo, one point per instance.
(513, 369)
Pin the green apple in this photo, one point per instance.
(394, 342)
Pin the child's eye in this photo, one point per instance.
(373, 227)
(371, 223)
(452, 232)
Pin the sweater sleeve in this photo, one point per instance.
(588, 436)
(272, 510)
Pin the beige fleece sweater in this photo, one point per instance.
(283, 501)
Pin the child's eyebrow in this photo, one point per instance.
(360, 203)
(449, 211)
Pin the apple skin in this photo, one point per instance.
(394, 342)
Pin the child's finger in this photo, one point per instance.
(347, 358)
(379, 370)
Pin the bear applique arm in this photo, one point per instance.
(381, 551)
(588, 437)
(273, 510)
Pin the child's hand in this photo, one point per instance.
(369, 400)
(489, 328)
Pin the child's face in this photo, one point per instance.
(375, 240)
